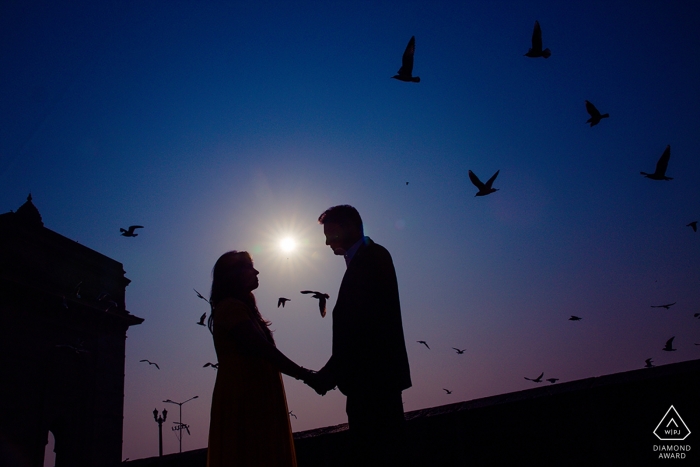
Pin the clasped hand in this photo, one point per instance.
(319, 382)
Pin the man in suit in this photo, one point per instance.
(369, 363)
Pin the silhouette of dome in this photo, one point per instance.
(29, 214)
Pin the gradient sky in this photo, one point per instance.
(222, 126)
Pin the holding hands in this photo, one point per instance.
(319, 382)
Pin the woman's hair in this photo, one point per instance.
(227, 282)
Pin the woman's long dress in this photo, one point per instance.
(249, 418)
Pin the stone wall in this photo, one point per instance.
(606, 420)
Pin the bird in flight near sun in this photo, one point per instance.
(669, 345)
(150, 363)
(595, 114)
(484, 188)
(667, 306)
(536, 49)
(661, 166)
(322, 297)
(78, 348)
(536, 380)
(201, 296)
(130, 231)
(405, 73)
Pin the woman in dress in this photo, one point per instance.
(249, 417)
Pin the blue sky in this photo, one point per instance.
(221, 126)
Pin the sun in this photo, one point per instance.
(285, 245)
(288, 244)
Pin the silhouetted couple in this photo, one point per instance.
(249, 417)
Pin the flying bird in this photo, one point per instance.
(201, 319)
(667, 306)
(405, 73)
(213, 365)
(536, 380)
(669, 345)
(693, 225)
(484, 188)
(282, 301)
(76, 290)
(130, 231)
(460, 352)
(552, 380)
(649, 363)
(201, 296)
(110, 303)
(424, 343)
(661, 166)
(150, 363)
(595, 114)
(575, 318)
(447, 391)
(536, 50)
(78, 350)
(322, 297)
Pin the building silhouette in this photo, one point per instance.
(63, 323)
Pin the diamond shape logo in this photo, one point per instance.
(672, 427)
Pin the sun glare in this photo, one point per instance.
(288, 244)
(285, 245)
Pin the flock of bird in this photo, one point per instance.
(101, 300)
(461, 351)
(668, 347)
(323, 297)
(405, 74)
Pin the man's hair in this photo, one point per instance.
(343, 215)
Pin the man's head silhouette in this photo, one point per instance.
(342, 226)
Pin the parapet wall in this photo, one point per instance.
(606, 420)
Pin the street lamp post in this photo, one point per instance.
(160, 421)
(180, 425)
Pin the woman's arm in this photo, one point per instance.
(249, 341)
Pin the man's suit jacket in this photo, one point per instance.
(369, 351)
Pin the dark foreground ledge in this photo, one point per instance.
(605, 420)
